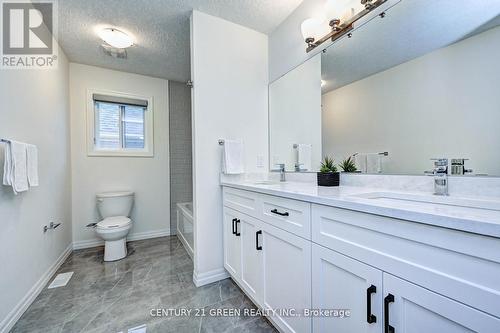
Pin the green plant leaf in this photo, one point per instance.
(328, 165)
(348, 165)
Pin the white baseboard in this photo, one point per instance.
(8, 322)
(85, 244)
(201, 279)
(148, 234)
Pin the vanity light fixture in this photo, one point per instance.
(116, 38)
(340, 16)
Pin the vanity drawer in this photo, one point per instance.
(287, 214)
(242, 201)
(459, 265)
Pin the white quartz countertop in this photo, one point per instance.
(453, 216)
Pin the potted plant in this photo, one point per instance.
(328, 174)
(348, 165)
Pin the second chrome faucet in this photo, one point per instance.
(440, 173)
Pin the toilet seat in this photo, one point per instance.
(114, 222)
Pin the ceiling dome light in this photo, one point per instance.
(116, 38)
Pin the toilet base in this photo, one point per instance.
(115, 250)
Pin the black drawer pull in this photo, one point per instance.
(387, 300)
(257, 246)
(275, 211)
(370, 318)
(234, 224)
(236, 228)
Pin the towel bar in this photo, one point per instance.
(5, 140)
(221, 142)
(385, 153)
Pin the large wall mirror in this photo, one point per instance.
(421, 83)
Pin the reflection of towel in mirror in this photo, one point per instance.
(373, 163)
(360, 160)
(368, 163)
(304, 156)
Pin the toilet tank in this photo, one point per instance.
(115, 203)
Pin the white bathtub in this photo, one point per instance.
(185, 226)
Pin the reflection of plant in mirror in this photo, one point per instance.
(348, 165)
(328, 165)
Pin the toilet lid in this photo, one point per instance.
(114, 222)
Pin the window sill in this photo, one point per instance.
(120, 153)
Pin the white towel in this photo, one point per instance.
(373, 163)
(7, 165)
(32, 164)
(304, 156)
(233, 159)
(19, 176)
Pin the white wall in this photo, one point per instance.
(230, 100)
(147, 177)
(35, 109)
(295, 114)
(287, 48)
(444, 104)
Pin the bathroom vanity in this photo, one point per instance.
(394, 260)
(387, 261)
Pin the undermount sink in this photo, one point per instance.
(431, 201)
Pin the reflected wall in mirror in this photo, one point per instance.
(295, 120)
(396, 95)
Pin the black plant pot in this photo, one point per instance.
(328, 178)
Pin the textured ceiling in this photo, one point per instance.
(160, 28)
(411, 29)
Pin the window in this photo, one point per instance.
(122, 126)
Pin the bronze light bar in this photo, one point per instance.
(345, 28)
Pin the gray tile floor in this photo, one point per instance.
(114, 297)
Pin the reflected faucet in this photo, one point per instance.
(440, 173)
(281, 169)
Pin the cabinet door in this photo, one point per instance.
(287, 277)
(413, 309)
(342, 283)
(251, 264)
(232, 243)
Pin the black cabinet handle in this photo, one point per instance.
(275, 211)
(234, 224)
(370, 318)
(257, 246)
(387, 300)
(236, 228)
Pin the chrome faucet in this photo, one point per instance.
(281, 169)
(440, 173)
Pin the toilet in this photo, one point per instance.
(114, 208)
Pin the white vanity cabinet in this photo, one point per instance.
(380, 302)
(341, 283)
(409, 308)
(371, 273)
(232, 243)
(287, 277)
(252, 260)
(272, 265)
